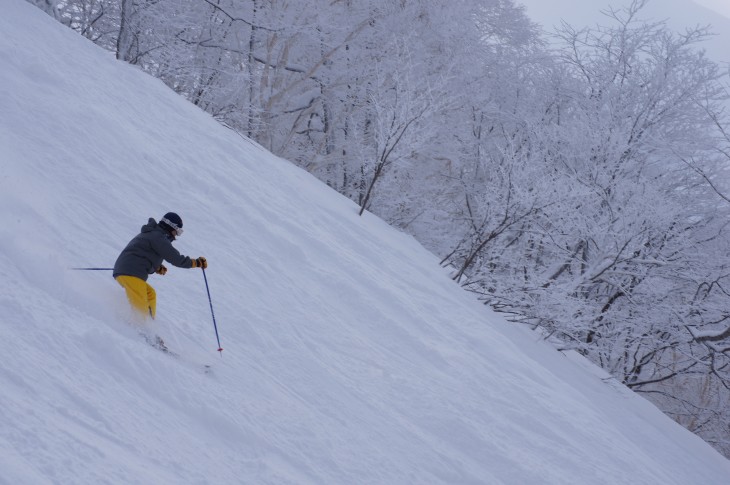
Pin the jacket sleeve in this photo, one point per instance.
(168, 252)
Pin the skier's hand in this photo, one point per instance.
(161, 270)
(200, 263)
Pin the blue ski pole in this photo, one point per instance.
(207, 289)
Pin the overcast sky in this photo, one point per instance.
(720, 6)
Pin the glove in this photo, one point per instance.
(161, 270)
(199, 263)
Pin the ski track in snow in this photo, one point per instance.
(350, 356)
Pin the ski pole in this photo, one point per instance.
(207, 289)
(93, 269)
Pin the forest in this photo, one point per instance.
(575, 182)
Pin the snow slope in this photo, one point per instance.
(350, 356)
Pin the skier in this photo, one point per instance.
(144, 255)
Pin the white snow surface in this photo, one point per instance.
(350, 356)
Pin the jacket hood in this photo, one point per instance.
(150, 226)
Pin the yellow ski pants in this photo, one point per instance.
(141, 295)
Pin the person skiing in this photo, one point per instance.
(144, 255)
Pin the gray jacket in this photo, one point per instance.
(144, 254)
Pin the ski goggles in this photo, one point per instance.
(178, 230)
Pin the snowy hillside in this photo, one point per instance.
(350, 357)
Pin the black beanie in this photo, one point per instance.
(174, 219)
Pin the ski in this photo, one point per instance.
(156, 342)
